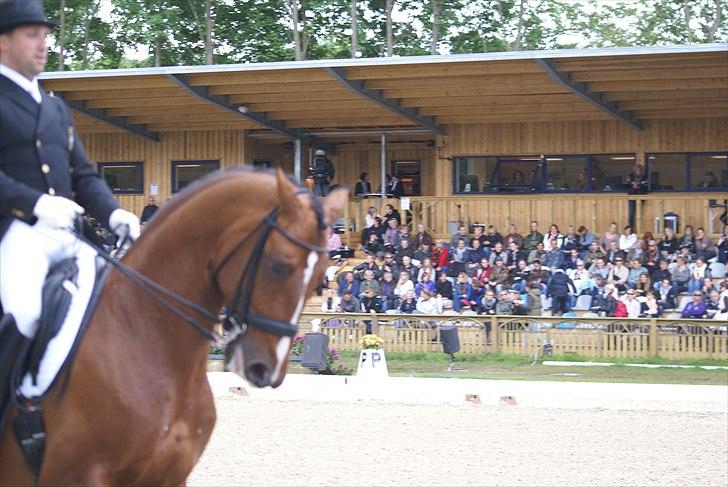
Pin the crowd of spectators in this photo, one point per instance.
(617, 273)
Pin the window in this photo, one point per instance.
(558, 173)
(184, 172)
(123, 177)
(706, 171)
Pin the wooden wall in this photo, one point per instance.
(227, 146)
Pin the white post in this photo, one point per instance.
(384, 166)
(297, 160)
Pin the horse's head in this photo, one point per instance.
(267, 276)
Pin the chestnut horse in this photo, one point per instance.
(138, 408)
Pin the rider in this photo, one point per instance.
(322, 171)
(46, 181)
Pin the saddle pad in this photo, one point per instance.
(61, 344)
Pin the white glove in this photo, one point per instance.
(124, 224)
(57, 211)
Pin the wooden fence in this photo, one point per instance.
(521, 335)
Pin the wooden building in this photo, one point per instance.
(495, 138)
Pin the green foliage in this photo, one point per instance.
(172, 32)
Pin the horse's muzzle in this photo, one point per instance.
(258, 374)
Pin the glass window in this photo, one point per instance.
(709, 172)
(123, 177)
(184, 172)
(472, 174)
(609, 171)
(516, 174)
(667, 171)
(567, 173)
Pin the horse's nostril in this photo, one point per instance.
(259, 374)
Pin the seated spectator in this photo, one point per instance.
(661, 272)
(488, 303)
(710, 180)
(680, 275)
(554, 258)
(463, 292)
(374, 246)
(635, 271)
(428, 303)
(684, 253)
(608, 237)
(580, 277)
(367, 283)
(331, 301)
(389, 264)
(371, 217)
(531, 240)
(408, 305)
(392, 213)
(349, 303)
(643, 284)
(477, 235)
(513, 255)
(537, 254)
(333, 242)
(553, 235)
(427, 284)
(618, 275)
(597, 287)
(637, 252)
(386, 291)
(457, 257)
(651, 257)
(371, 303)
(444, 290)
(650, 308)
(600, 268)
(498, 252)
(347, 283)
(362, 186)
(483, 272)
(539, 275)
(687, 240)
(422, 237)
(404, 234)
(634, 307)
(604, 303)
(712, 306)
(407, 266)
(586, 238)
(627, 240)
(426, 268)
(492, 238)
(514, 236)
(377, 228)
(440, 256)
(390, 234)
(559, 288)
(722, 313)
(666, 294)
(704, 246)
(520, 276)
(699, 273)
(613, 253)
(696, 308)
(423, 253)
(462, 233)
(404, 285)
(499, 277)
(669, 245)
(570, 259)
(475, 253)
(402, 250)
(505, 305)
(571, 240)
(593, 253)
(369, 264)
(722, 247)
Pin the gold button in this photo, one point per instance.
(38, 144)
(51, 191)
(18, 213)
(45, 168)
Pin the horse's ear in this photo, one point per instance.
(287, 194)
(334, 203)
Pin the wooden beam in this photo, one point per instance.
(120, 83)
(665, 94)
(489, 100)
(169, 101)
(351, 122)
(596, 99)
(510, 109)
(460, 81)
(450, 69)
(650, 74)
(183, 119)
(311, 105)
(376, 96)
(519, 118)
(239, 110)
(664, 84)
(275, 88)
(693, 60)
(453, 91)
(312, 75)
(101, 115)
(185, 111)
(192, 127)
(288, 97)
(674, 104)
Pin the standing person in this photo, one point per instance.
(46, 180)
(636, 184)
(363, 187)
(149, 210)
(395, 188)
(322, 171)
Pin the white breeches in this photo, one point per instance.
(26, 254)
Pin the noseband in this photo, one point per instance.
(238, 316)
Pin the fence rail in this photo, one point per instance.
(522, 335)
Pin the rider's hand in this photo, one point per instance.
(57, 211)
(124, 224)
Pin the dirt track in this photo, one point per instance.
(260, 441)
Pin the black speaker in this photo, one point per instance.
(450, 339)
(315, 351)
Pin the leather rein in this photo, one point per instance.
(237, 315)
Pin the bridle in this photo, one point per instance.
(237, 315)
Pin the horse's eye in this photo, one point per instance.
(279, 269)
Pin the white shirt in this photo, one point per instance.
(30, 86)
(627, 242)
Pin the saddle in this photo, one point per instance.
(29, 378)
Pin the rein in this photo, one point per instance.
(237, 316)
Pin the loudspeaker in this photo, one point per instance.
(315, 351)
(450, 339)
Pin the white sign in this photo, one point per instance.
(404, 203)
(372, 363)
(153, 189)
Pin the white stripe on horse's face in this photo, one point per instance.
(284, 342)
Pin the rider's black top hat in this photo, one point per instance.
(14, 13)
